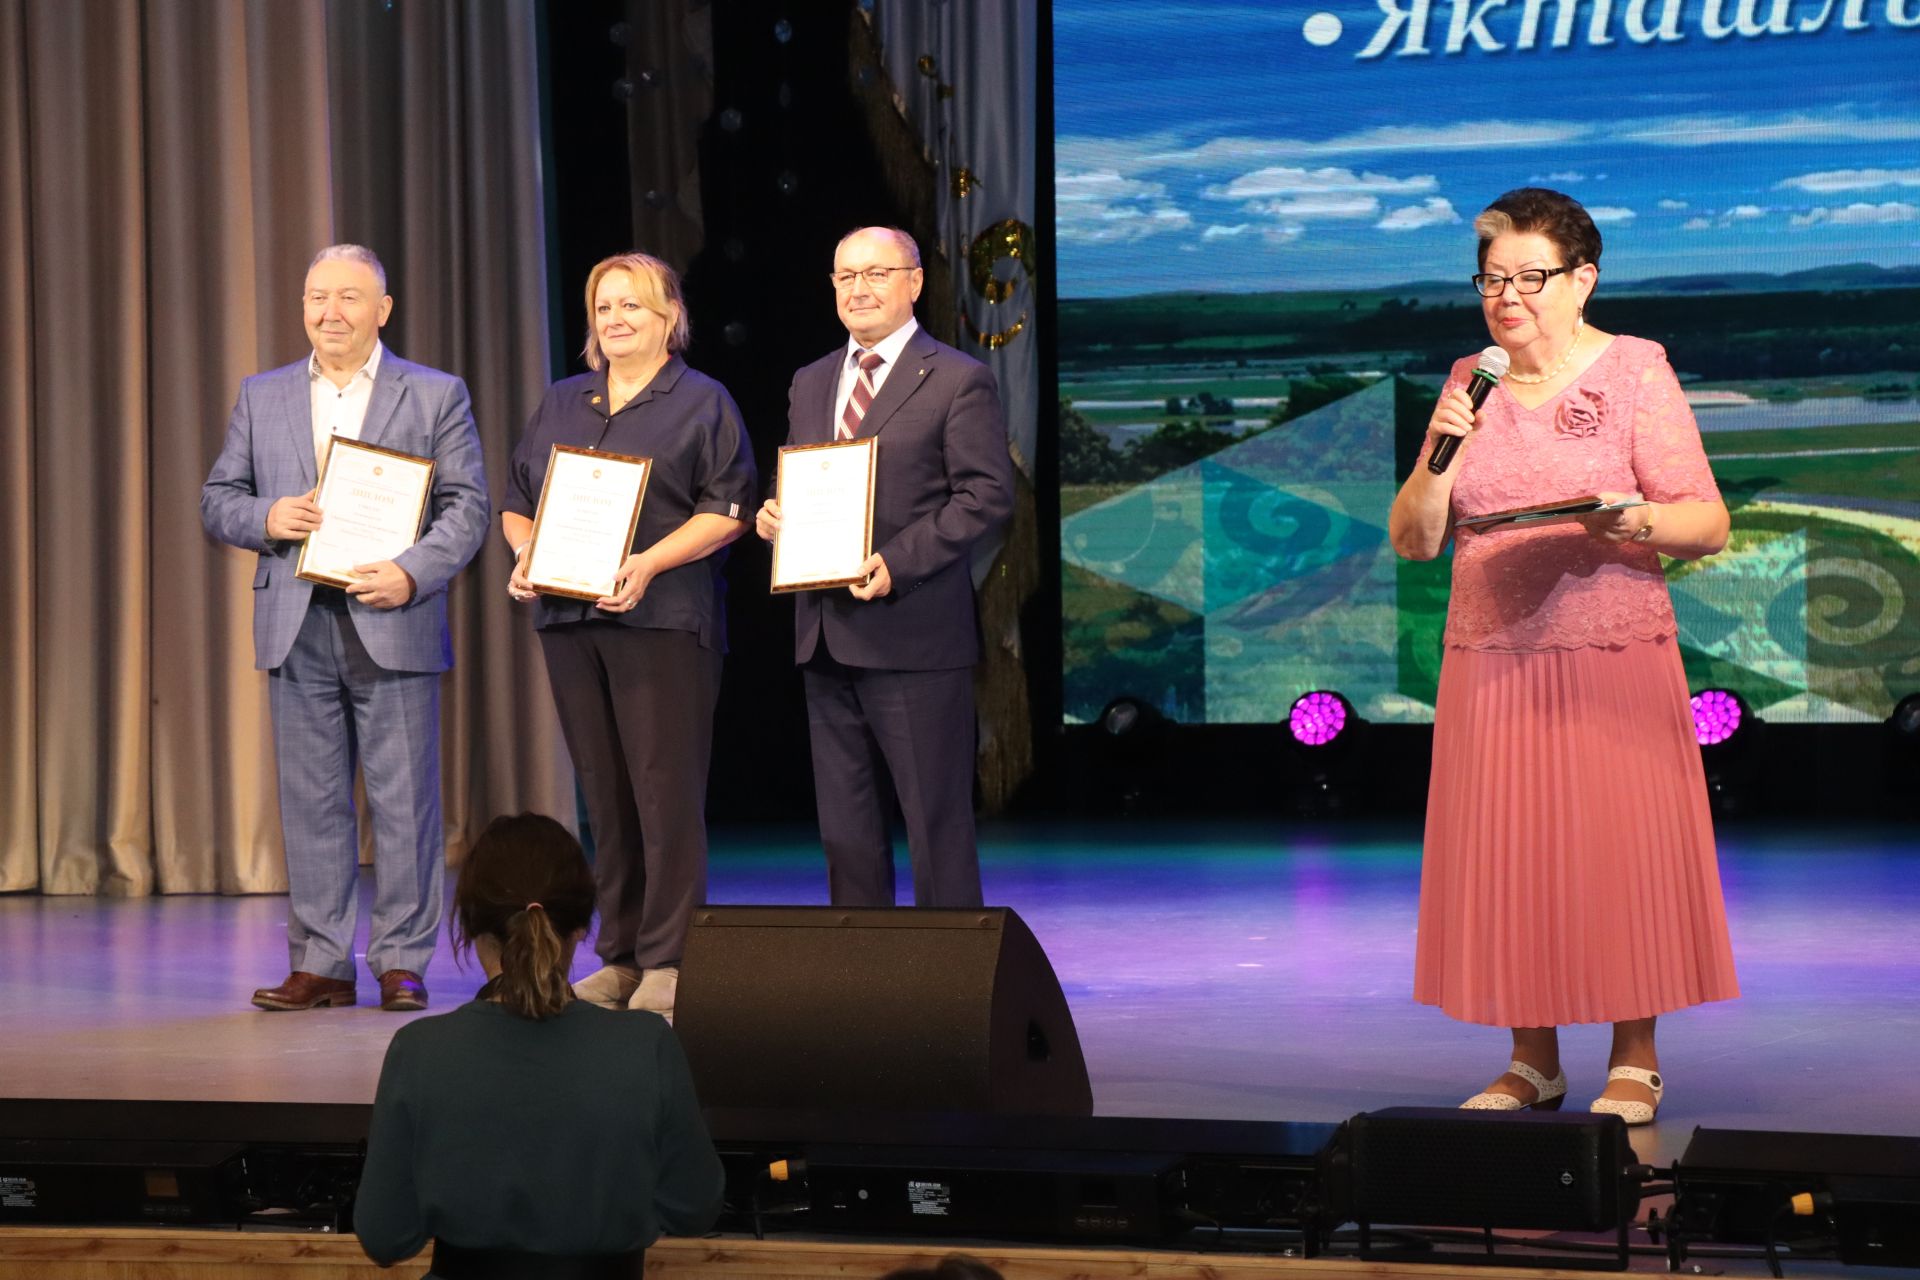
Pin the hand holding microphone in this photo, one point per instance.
(1453, 416)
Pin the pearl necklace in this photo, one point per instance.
(1578, 324)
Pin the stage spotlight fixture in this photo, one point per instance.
(1129, 717)
(1905, 719)
(1318, 717)
(1717, 715)
(1130, 753)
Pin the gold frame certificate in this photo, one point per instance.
(372, 501)
(583, 528)
(825, 493)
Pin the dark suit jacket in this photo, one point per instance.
(945, 480)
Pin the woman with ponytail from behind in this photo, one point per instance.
(530, 1134)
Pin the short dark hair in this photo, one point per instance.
(1540, 211)
(526, 884)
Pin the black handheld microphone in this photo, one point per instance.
(1494, 362)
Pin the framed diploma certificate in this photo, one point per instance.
(371, 501)
(583, 527)
(825, 492)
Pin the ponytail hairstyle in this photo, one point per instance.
(526, 885)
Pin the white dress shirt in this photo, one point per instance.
(889, 348)
(340, 411)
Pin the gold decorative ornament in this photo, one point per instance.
(963, 182)
(1012, 239)
(995, 341)
(931, 70)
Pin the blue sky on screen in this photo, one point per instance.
(1301, 145)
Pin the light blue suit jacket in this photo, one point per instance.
(268, 454)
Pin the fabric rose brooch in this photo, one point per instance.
(1580, 414)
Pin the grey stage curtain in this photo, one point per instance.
(166, 172)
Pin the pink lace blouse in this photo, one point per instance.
(1623, 425)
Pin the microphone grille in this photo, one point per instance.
(1496, 361)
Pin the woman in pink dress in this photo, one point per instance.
(1569, 871)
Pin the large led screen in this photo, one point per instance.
(1263, 216)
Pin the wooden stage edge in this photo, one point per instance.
(28, 1253)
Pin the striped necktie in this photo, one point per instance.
(862, 396)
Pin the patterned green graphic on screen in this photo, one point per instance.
(1263, 217)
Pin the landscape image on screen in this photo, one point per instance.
(1263, 217)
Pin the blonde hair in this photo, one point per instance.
(658, 288)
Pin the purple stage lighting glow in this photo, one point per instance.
(1317, 718)
(1716, 716)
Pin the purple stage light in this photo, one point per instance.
(1716, 716)
(1317, 718)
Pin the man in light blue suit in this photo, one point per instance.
(353, 674)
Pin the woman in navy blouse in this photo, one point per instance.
(635, 674)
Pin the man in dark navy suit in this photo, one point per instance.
(888, 662)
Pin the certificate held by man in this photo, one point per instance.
(583, 527)
(372, 500)
(825, 493)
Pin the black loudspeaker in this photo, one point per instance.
(1433, 1167)
(897, 1009)
(1854, 1194)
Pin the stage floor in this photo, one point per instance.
(1231, 971)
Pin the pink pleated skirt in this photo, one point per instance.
(1569, 872)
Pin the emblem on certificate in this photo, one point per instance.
(583, 528)
(372, 502)
(825, 492)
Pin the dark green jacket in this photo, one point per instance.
(579, 1134)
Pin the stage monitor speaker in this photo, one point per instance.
(896, 1009)
(1433, 1167)
(1853, 1194)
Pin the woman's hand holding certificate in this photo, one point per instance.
(583, 528)
(824, 531)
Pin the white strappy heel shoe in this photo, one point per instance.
(1632, 1112)
(1549, 1094)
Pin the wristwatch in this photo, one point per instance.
(1645, 531)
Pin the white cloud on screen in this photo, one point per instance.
(1745, 213)
(1859, 215)
(1170, 150)
(1103, 184)
(1850, 180)
(1167, 150)
(1672, 205)
(1711, 130)
(1565, 178)
(1288, 181)
(1696, 224)
(1604, 214)
(1326, 205)
(1105, 207)
(1227, 233)
(1435, 211)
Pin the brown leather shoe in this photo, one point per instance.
(401, 991)
(305, 991)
